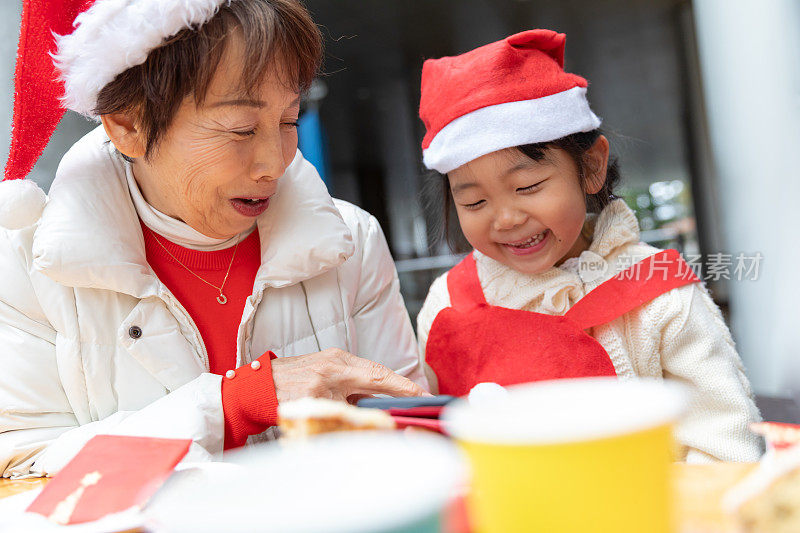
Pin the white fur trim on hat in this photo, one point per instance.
(509, 124)
(114, 35)
(21, 203)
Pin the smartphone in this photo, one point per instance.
(406, 403)
(417, 406)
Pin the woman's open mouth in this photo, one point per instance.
(250, 207)
(532, 244)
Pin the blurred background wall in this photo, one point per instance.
(670, 78)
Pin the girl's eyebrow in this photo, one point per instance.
(463, 186)
(522, 165)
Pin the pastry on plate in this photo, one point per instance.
(299, 419)
(768, 499)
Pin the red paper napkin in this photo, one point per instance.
(110, 474)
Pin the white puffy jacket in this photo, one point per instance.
(75, 281)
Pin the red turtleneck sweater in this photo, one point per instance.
(248, 399)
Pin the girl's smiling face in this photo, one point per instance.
(523, 213)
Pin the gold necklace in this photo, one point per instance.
(222, 299)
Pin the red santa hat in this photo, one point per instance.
(504, 94)
(68, 51)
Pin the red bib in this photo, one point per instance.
(473, 342)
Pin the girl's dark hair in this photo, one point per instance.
(575, 145)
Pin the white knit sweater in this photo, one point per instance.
(680, 335)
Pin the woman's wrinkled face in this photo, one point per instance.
(218, 163)
(523, 213)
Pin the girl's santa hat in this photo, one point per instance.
(68, 51)
(504, 94)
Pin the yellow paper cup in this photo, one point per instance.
(577, 455)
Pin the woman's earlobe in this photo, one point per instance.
(123, 132)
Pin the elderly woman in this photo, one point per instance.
(189, 270)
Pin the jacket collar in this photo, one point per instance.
(89, 234)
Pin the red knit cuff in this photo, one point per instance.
(249, 401)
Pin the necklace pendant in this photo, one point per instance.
(222, 299)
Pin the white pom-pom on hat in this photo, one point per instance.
(21, 203)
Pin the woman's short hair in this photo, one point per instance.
(275, 33)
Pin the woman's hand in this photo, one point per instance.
(337, 375)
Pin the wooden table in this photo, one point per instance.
(698, 491)
(9, 487)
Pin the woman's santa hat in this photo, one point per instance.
(504, 94)
(68, 51)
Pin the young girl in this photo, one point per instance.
(549, 291)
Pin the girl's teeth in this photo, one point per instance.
(532, 241)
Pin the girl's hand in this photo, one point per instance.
(337, 375)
